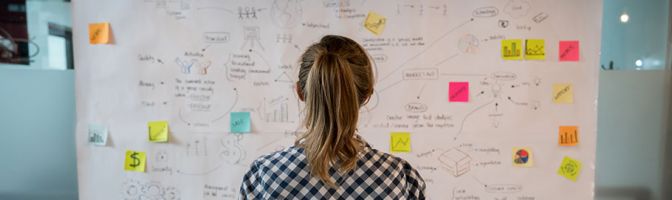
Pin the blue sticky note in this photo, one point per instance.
(240, 122)
(97, 134)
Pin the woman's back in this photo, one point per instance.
(329, 160)
(377, 175)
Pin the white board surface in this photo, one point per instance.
(193, 62)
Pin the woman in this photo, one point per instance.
(330, 161)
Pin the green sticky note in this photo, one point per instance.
(400, 142)
(158, 131)
(512, 49)
(240, 122)
(570, 168)
(135, 161)
(535, 50)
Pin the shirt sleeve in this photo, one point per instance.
(249, 186)
(415, 185)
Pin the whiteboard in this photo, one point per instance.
(193, 62)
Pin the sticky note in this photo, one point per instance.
(570, 168)
(400, 142)
(240, 122)
(158, 131)
(375, 23)
(512, 49)
(535, 50)
(522, 157)
(99, 33)
(568, 136)
(458, 91)
(135, 161)
(568, 51)
(563, 93)
(97, 135)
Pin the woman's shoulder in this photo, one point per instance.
(289, 154)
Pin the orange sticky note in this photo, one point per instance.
(568, 136)
(99, 33)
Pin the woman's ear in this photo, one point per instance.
(299, 92)
(368, 97)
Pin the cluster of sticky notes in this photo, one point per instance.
(375, 23)
(522, 157)
(563, 93)
(158, 131)
(400, 142)
(99, 33)
(535, 49)
(135, 161)
(240, 122)
(512, 49)
(570, 168)
(97, 134)
(568, 136)
(568, 51)
(458, 91)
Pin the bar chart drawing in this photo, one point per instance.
(275, 110)
(512, 49)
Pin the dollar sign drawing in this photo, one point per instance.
(136, 160)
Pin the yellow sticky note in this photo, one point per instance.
(563, 93)
(568, 136)
(99, 33)
(522, 157)
(158, 131)
(570, 168)
(512, 49)
(400, 142)
(135, 161)
(535, 50)
(375, 23)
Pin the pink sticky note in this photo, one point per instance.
(458, 91)
(569, 51)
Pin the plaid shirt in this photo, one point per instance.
(285, 175)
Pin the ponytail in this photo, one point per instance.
(333, 89)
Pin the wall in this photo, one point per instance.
(643, 37)
(37, 112)
(37, 115)
(632, 126)
(39, 15)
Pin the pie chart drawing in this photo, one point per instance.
(522, 157)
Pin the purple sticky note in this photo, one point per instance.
(458, 91)
(569, 51)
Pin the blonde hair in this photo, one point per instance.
(335, 79)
